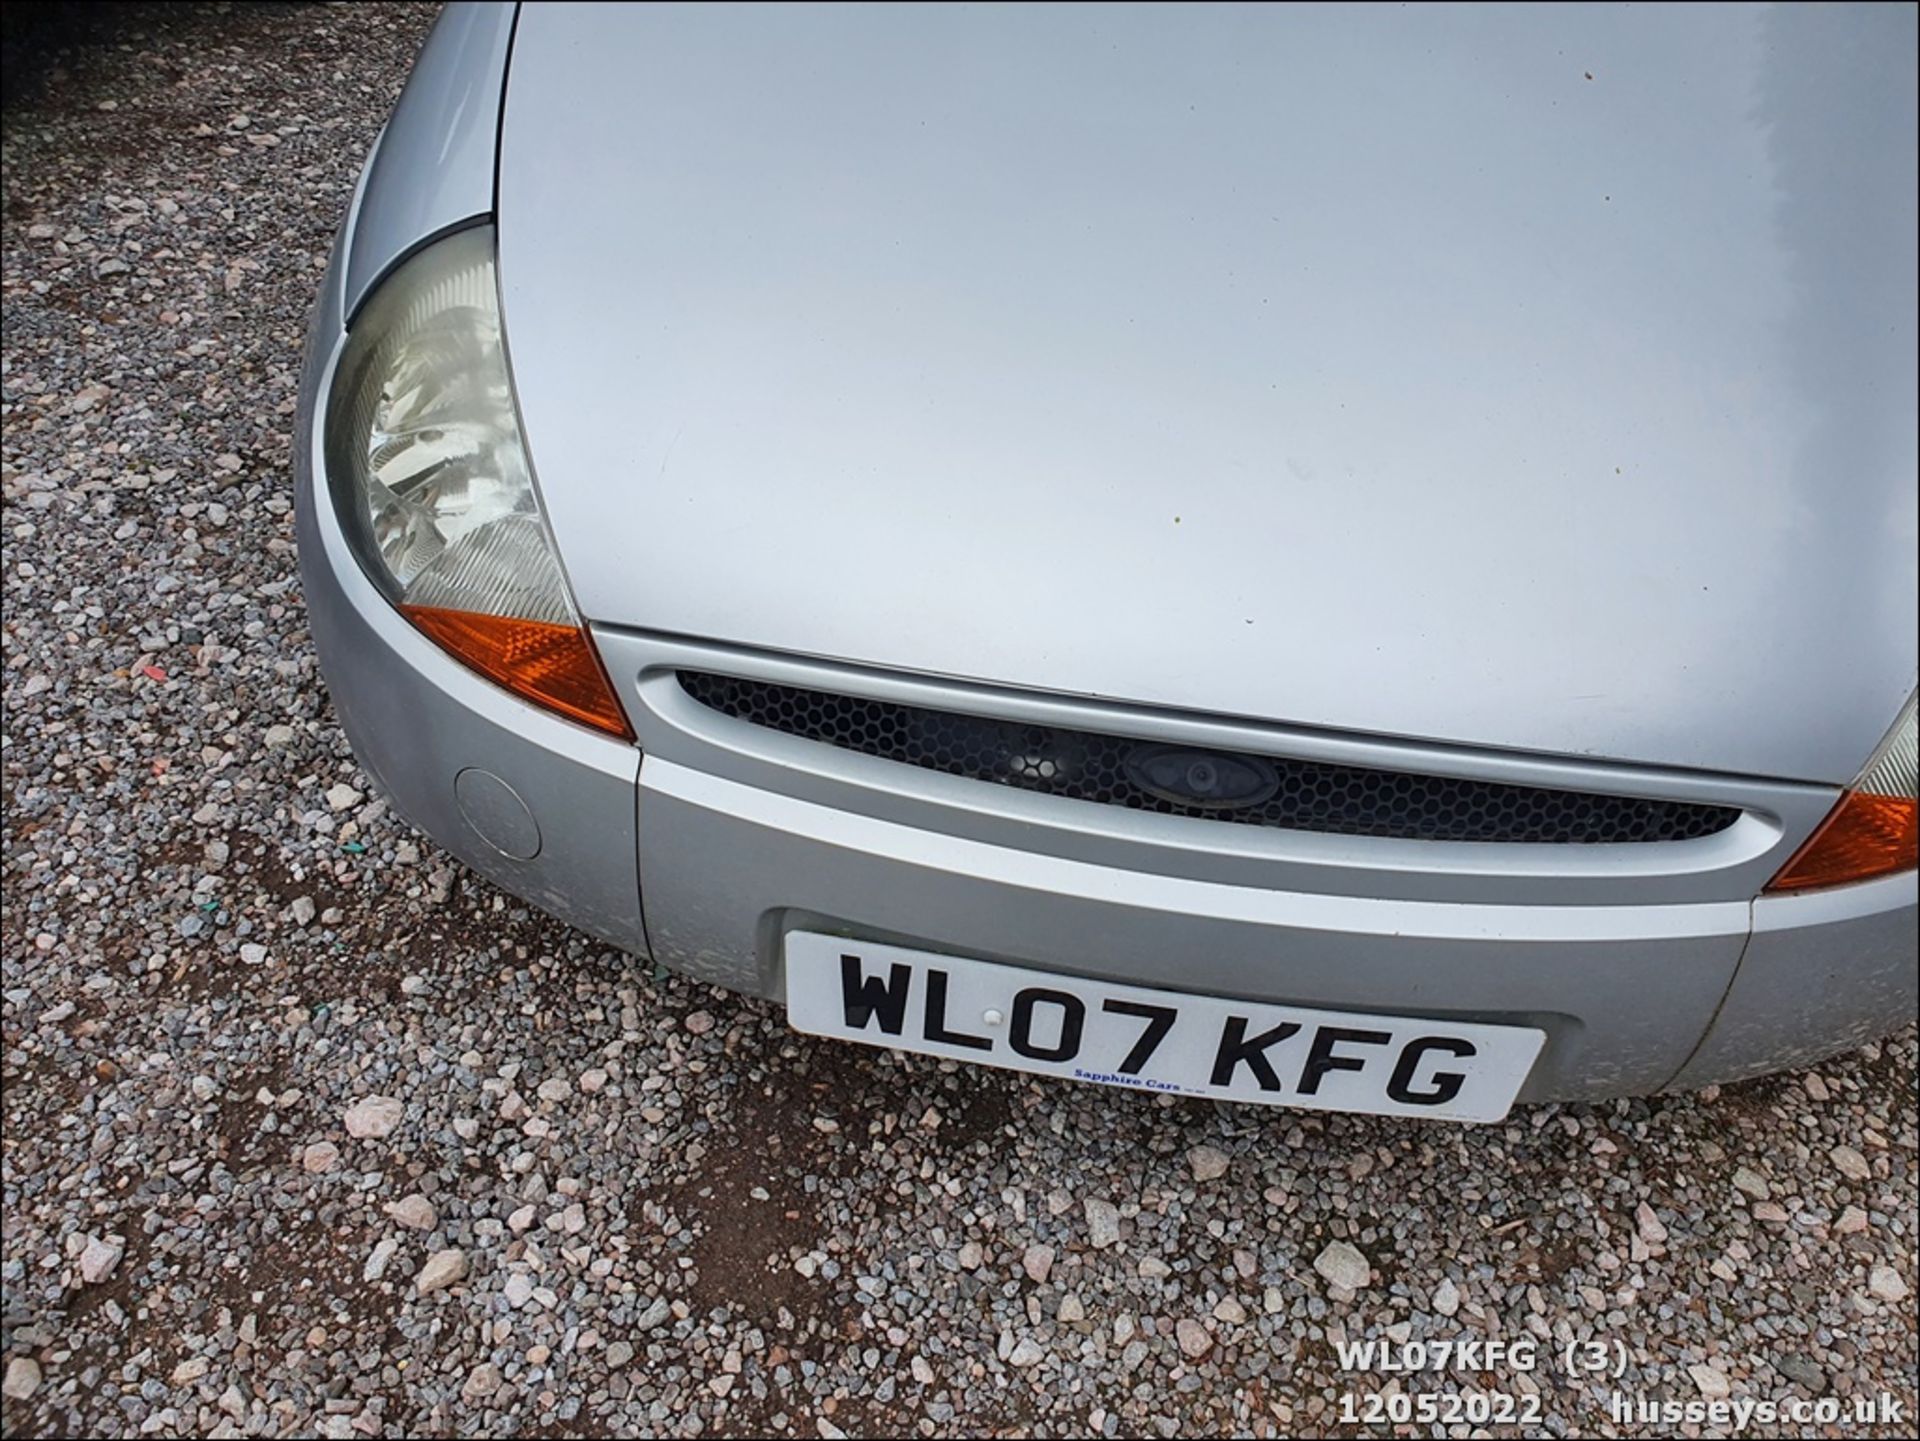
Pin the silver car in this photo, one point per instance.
(1357, 558)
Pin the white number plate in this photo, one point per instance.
(1153, 1040)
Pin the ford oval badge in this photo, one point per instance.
(1212, 780)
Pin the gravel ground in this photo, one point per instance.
(309, 1130)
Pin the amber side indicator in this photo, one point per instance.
(551, 665)
(1863, 837)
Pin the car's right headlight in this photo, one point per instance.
(431, 483)
(1875, 829)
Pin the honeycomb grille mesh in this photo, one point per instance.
(1106, 770)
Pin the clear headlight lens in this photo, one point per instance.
(432, 485)
(1875, 829)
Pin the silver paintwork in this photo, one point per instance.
(432, 169)
(1648, 966)
(1823, 972)
(1369, 369)
(730, 867)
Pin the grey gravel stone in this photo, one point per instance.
(1713, 1384)
(1195, 1340)
(441, 1270)
(1342, 1265)
(1026, 1352)
(1103, 1223)
(1649, 1226)
(415, 1212)
(1798, 1368)
(1851, 1164)
(1886, 1284)
(100, 1258)
(381, 1258)
(22, 1380)
(373, 1117)
(1209, 1163)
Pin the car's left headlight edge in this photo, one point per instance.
(429, 477)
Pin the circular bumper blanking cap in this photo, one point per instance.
(497, 814)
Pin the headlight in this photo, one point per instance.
(432, 486)
(1875, 830)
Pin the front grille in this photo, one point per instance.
(1292, 794)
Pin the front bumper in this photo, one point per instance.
(1634, 998)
